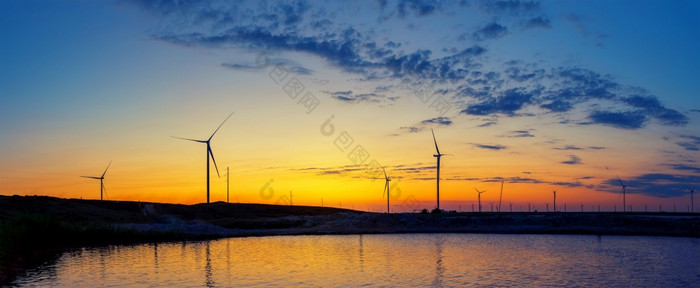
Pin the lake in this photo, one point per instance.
(400, 260)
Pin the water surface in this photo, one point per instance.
(406, 260)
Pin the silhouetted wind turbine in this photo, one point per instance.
(102, 185)
(500, 198)
(386, 189)
(209, 152)
(623, 192)
(438, 156)
(692, 191)
(478, 193)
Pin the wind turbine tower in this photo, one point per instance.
(209, 152)
(623, 193)
(555, 201)
(102, 185)
(438, 156)
(386, 190)
(500, 198)
(478, 193)
(692, 191)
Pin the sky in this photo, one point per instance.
(524, 97)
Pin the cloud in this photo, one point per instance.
(290, 65)
(490, 147)
(444, 121)
(471, 76)
(490, 31)
(657, 185)
(622, 120)
(691, 143)
(440, 121)
(417, 7)
(510, 102)
(650, 105)
(352, 97)
(513, 7)
(488, 124)
(573, 160)
(521, 134)
(568, 147)
(683, 167)
(538, 22)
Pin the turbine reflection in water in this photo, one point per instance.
(406, 260)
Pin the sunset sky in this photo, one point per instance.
(551, 95)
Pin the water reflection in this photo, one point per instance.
(155, 258)
(362, 260)
(439, 269)
(437, 260)
(209, 282)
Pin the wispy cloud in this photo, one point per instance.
(290, 65)
(439, 121)
(689, 142)
(568, 147)
(352, 97)
(573, 160)
(521, 134)
(490, 147)
(490, 31)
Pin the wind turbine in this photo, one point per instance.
(386, 190)
(623, 192)
(102, 185)
(209, 152)
(438, 156)
(479, 197)
(500, 198)
(692, 191)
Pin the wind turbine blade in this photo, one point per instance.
(386, 190)
(103, 174)
(477, 190)
(436, 146)
(189, 139)
(618, 179)
(385, 177)
(91, 177)
(222, 124)
(212, 159)
(104, 190)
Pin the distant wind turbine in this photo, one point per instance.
(478, 193)
(102, 185)
(438, 156)
(386, 190)
(500, 198)
(209, 152)
(692, 191)
(623, 192)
